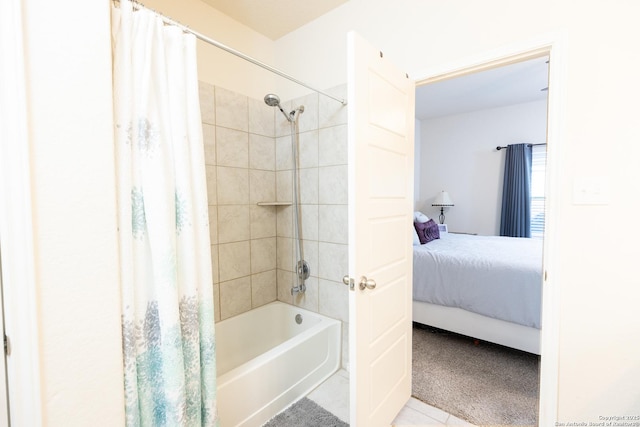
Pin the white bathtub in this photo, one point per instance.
(266, 361)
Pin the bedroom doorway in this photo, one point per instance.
(548, 52)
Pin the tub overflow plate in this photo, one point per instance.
(298, 318)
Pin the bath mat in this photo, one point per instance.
(305, 413)
(485, 384)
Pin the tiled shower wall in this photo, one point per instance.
(248, 160)
(240, 162)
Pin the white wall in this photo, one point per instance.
(599, 289)
(68, 67)
(459, 155)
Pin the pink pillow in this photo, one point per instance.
(427, 231)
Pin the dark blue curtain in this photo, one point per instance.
(515, 220)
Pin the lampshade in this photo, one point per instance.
(442, 199)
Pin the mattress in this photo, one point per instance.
(499, 277)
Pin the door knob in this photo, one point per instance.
(349, 282)
(366, 283)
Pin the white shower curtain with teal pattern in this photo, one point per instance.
(165, 254)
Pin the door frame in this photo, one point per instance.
(16, 229)
(20, 305)
(555, 46)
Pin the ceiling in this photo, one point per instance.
(507, 85)
(274, 18)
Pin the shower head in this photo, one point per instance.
(272, 100)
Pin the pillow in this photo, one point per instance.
(427, 231)
(420, 217)
(416, 239)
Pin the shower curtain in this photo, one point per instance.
(165, 254)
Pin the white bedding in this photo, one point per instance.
(499, 277)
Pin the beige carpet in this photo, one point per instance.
(483, 383)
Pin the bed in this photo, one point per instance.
(486, 287)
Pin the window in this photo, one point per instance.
(538, 165)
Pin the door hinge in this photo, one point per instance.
(7, 346)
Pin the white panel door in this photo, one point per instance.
(381, 131)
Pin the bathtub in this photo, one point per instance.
(266, 361)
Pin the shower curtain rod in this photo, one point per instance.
(169, 21)
(530, 145)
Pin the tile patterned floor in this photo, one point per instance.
(333, 395)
